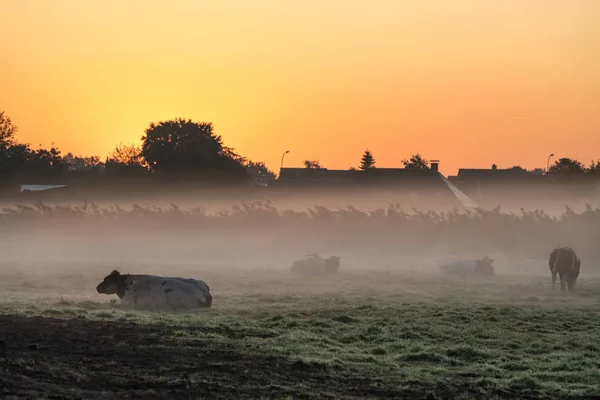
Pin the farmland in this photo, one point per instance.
(388, 325)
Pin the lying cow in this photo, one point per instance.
(463, 268)
(564, 263)
(315, 265)
(157, 292)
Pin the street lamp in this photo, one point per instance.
(283, 155)
(548, 162)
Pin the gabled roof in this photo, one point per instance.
(426, 182)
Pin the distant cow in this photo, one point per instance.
(564, 263)
(157, 292)
(471, 267)
(315, 265)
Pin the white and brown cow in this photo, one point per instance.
(471, 267)
(315, 265)
(564, 263)
(157, 292)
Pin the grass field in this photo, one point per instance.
(356, 334)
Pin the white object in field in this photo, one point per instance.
(465, 200)
(38, 188)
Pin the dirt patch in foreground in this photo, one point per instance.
(80, 358)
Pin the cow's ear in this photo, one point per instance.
(115, 273)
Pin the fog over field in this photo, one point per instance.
(388, 320)
(375, 229)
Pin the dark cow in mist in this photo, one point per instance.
(157, 292)
(482, 267)
(315, 265)
(564, 263)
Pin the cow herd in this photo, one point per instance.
(175, 293)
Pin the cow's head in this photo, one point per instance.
(332, 263)
(573, 272)
(484, 266)
(114, 283)
(207, 300)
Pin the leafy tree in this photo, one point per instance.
(312, 164)
(416, 162)
(567, 166)
(82, 164)
(594, 168)
(259, 173)
(518, 168)
(13, 158)
(367, 161)
(7, 131)
(44, 162)
(18, 158)
(126, 160)
(183, 147)
(128, 155)
(537, 171)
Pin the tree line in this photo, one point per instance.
(367, 162)
(564, 166)
(177, 148)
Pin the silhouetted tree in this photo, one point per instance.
(567, 166)
(126, 160)
(128, 155)
(594, 168)
(82, 164)
(183, 148)
(367, 161)
(11, 157)
(537, 171)
(416, 162)
(259, 173)
(19, 160)
(43, 163)
(7, 131)
(518, 168)
(312, 164)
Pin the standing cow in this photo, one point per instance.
(157, 292)
(564, 263)
(315, 265)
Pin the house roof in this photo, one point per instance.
(376, 174)
(424, 182)
(484, 173)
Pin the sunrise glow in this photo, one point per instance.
(468, 82)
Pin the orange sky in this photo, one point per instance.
(469, 82)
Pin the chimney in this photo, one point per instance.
(494, 167)
(434, 164)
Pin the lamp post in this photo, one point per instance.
(548, 162)
(282, 156)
